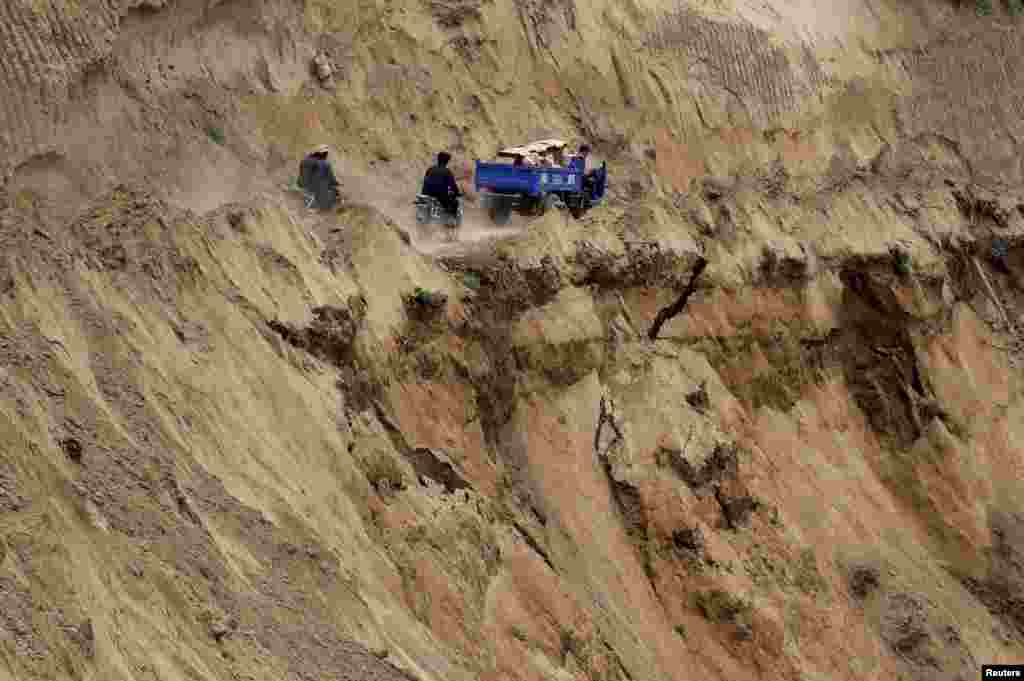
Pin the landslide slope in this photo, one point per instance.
(760, 414)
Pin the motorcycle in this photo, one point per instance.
(429, 211)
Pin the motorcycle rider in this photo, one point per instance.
(317, 180)
(439, 183)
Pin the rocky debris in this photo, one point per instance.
(1008, 533)
(864, 580)
(722, 464)
(606, 417)
(977, 205)
(718, 476)
(645, 263)
(437, 466)
(907, 204)
(625, 494)
(507, 287)
(323, 70)
(546, 21)
(183, 503)
(237, 221)
(698, 399)
(455, 13)
(689, 541)
(779, 268)
(878, 357)
(151, 5)
(72, 448)
(194, 335)
(928, 648)
(222, 628)
(331, 333)
(1001, 598)
(85, 637)
(1002, 591)
(10, 500)
(904, 627)
(736, 509)
(428, 464)
(130, 233)
(587, 652)
(630, 504)
(16, 623)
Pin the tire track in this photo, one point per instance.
(59, 34)
(17, 77)
(968, 89)
(43, 52)
(65, 37)
(35, 50)
(739, 59)
(39, 88)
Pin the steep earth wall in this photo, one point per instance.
(759, 415)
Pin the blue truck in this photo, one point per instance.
(533, 189)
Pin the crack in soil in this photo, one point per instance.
(667, 313)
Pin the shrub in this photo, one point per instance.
(720, 606)
(900, 261)
(384, 474)
(808, 578)
(1015, 7)
(216, 134)
(983, 8)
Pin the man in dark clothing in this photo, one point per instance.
(589, 180)
(317, 180)
(439, 182)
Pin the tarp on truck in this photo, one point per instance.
(538, 147)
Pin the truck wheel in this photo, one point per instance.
(545, 204)
(500, 211)
(422, 214)
(575, 204)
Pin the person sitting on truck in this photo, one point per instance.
(589, 180)
(584, 154)
(439, 182)
(317, 180)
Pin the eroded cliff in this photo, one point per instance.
(758, 415)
